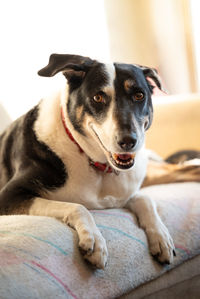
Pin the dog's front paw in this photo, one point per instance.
(93, 247)
(161, 244)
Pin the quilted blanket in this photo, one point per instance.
(39, 257)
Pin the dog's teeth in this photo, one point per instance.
(124, 163)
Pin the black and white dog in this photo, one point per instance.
(83, 148)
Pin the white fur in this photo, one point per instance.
(194, 162)
(78, 217)
(160, 241)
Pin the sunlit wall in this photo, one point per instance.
(31, 31)
(162, 34)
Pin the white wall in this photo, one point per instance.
(33, 29)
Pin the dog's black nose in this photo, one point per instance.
(127, 142)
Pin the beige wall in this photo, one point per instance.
(154, 33)
(176, 125)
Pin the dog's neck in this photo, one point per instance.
(104, 167)
(68, 131)
(87, 143)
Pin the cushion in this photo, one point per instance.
(39, 257)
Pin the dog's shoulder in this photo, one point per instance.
(22, 153)
(11, 141)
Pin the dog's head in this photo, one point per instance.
(110, 103)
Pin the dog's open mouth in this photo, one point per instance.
(118, 160)
(123, 161)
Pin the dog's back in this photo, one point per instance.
(23, 156)
(10, 149)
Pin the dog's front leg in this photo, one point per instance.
(91, 242)
(16, 197)
(160, 242)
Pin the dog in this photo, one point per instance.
(84, 148)
(182, 166)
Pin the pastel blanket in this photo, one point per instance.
(39, 257)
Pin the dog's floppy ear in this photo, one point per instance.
(152, 74)
(72, 66)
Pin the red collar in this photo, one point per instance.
(68, 132)
(104, 167)
(101, 166)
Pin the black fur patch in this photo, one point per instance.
(39, 168)
(94, 81)
(127, 108)
(182, 156)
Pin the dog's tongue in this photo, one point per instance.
(124, 156)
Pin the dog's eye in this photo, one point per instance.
(99, 98)
(138, 96)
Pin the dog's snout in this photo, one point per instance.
(127, 142)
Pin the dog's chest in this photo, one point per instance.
(84, 185)
(95, 189)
